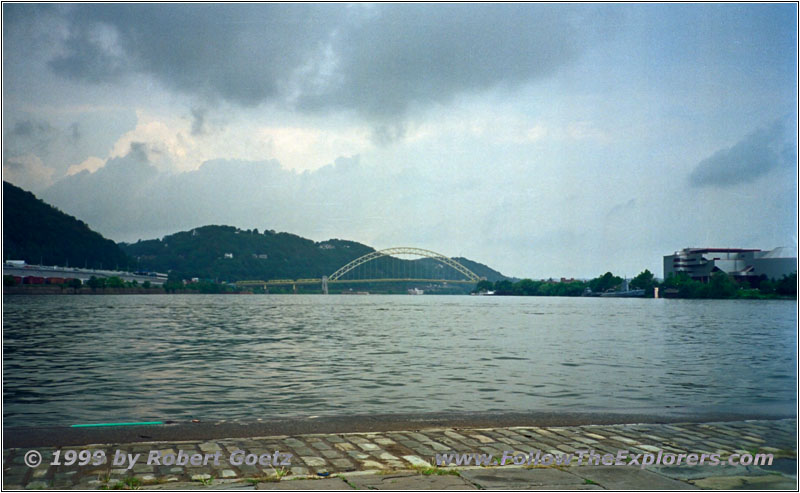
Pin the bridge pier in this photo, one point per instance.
(324, 284)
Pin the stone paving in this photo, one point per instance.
(405, 460)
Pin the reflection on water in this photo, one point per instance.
(76, 359)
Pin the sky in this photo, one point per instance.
(544, 140)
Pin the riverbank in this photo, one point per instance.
(57, 289)
(404, 457)
(66, 435)
(51, 289)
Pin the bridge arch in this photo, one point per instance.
(421, 252)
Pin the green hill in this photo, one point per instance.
(37, 232)
(225, 253)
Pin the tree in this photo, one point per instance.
(766, 287)
(75, 284)
(526, 287)
(787, 286)
(95, 283)
(115, 282)
(504, 287)
(484, 285)
(209, 287)
(645, 280)
(605, 282)
(172, 286)
(722, 286)
(574, 288)
(687, 288)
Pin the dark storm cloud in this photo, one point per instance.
(428, 53)
(28, 136)
(30, 128)
(376, 59)
(767, 148)
(239, 53)
(88, 59)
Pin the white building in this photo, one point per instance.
(741, 263)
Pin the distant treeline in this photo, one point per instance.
(724, 286)
(720, 286)
(117, 285)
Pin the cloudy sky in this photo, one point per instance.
(543, 140)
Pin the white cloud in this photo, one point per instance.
(304, 145)
(166, 142)
(28, 172)
(91, 164)
(307, 148)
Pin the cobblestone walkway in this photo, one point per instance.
(406, 460)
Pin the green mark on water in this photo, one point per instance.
(137, 423)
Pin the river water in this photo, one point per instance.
(89, 359)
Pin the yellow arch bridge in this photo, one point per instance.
(456, 271)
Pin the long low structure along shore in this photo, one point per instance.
(407, 459)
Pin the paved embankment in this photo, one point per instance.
(406, 459)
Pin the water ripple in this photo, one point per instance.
(73, 359)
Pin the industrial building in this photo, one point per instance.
(740, 263)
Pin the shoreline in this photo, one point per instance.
(37, 436)
(41, 290)
(56, 290)
(751, 454)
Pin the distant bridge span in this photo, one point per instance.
(336, 277)
(471, 276)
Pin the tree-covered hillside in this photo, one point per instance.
(225, 253)
(37, 232)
